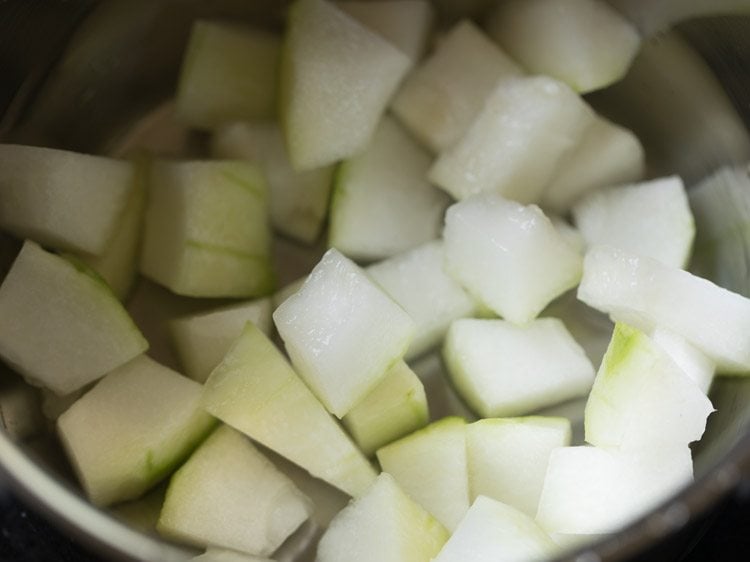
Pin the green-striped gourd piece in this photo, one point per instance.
(382, 203)
(394, 408)
(257, 392)
(508, 256)
(62, 199)
(206, 230)
(229, 73)
(493, 531)
(502, 369)
(337, 78)
(229, 495)
(61, 326)
(514, 147)
(383, 524)
(430, 466)
(417, 281)
(298, 200)
(132, 429)
(440, 99)
(508, 458)
(342, 332)
(585, 43)
(641, 398)
(203, 339)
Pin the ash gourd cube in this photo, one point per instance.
(342, 332)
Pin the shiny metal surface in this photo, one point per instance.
(687, 97)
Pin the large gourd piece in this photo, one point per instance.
(417, 281)
(641, 399)
(384, 524)
(337, 78)
(439, 100)
(493, 531)
(62, 199)
(228, 494)
(382, 202)
(509, 257)
(517, 142)
(132, 429)
(298, 200)
(207, 231)
(501, 369)
(203, 339)
(585, 43)
(229, 73)
(342, 332)
(645, 293)
(430, 466)
(61, 326)
(651, 218)
(255, 390)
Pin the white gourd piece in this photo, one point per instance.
(508, 256)
(337, 78)
(501, 369)
(645, 293)
(382, 203)
(585, 43)
(63, 199)
(325, 323)
(517, 142)
(84, 328)
(651, 218)
(440, 99)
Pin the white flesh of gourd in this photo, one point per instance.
(417, 281)
(501, 369)
(585, 43)
(62, 199)
(255, 390)
(607, 155)
(440, 99)
(430, 466)
(337, 78)
(508, 458)
(517, 142)
(590, 490)
(382, 203)
(229, 495)
(384, 524)
(652, 218)
(324, 326)
(493, 531)
(203, 339)
(61, 326)
(645, 293)
(132, 429)
(508, 256)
